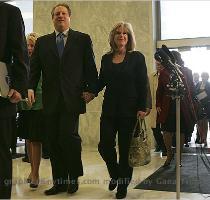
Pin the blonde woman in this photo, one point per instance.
(31, 124)
(124, 74)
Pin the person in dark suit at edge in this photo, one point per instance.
(124, 74)
(66, 60)
(13, 52)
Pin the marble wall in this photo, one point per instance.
(97, 18)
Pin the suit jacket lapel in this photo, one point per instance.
(70, 40)
(68, 45)
(108, 61)
(52, 43)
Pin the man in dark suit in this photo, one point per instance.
(13, 52)
(66, 60)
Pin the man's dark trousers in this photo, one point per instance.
(5, 158)
(64, 145)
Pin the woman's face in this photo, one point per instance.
(121, 37)
(30, 45)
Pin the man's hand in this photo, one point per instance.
(31, 98)
(87, 96)
(141, 114)
(14, 96)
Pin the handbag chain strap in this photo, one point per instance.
(142, 127)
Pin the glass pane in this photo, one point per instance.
(26, 7)
(197, 59)
(184, 19)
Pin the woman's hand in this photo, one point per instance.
(87, 96)
(141, 114)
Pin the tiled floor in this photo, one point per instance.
(93, 185)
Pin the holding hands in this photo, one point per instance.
(14, 96)
(87, 96)
(141, 114)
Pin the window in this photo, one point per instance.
(184, 28)
(26, 7)
(184, 19)
(197, 59)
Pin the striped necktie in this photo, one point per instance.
(60, 43)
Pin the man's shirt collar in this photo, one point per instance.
(64, 32)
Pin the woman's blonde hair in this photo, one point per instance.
(32, 36)
(131, 37)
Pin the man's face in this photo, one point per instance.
(61, 19)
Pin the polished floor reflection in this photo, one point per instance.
(94, 183)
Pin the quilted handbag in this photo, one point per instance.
(139, 151)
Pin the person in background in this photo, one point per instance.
(157, 133)
(65, 59)
(203, 95)
(191, 88)
(150, 108)
(13, 51)
(25, 158)
(166, 106)
(149, 99)
(31, 126)
(196, 78)
(124, 74)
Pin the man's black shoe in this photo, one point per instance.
(14, 155)
(73, 186)
(55, 190)
(121, 193)
(45, 156)
(112, 184)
